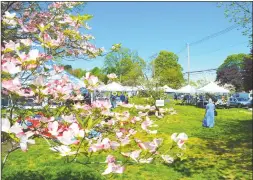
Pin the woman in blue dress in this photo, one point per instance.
(209, 115)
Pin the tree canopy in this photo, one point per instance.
(168, 70)
(126, 64)
(241, 14)
(230, 72)
(247, 72)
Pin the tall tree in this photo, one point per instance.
(247, 72)
(168, 70)
(126, 64)
(241, 14)
(67, 67)
(96, 71)
(230, 72)
(202, 82)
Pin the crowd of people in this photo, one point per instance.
(199, 100)
(115, 97)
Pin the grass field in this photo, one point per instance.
(222, 152)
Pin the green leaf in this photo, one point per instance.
(42, 29)
(89, 123)
(85, 121)
(80, 121)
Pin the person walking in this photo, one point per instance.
(209, 115)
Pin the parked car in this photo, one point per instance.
(243, 95)
(232, 102)
(249, 103)
(237, 102)
(242, 102)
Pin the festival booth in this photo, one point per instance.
(167, 89)
(213, 88)
(187, 90)
(130, 89)
(112, 87)
(102, 91)
(74, 80)
(51, 77)
(187, 94)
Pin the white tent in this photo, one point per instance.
(168, 89)
(111, 87)
(187, 89)
(213, 88)
(158, 88)
(52, 75)
(141, 88)
(130, 88)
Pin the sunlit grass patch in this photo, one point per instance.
(222, 152)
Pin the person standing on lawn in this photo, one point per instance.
(122, 97)
(126, 100)
(209, 115)
(113, 100)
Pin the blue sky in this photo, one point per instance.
(149, 27)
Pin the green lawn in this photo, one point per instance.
(223, 152)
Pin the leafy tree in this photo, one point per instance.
(247, 72)
(79, 73)
(168, 70)
(191, 83)
(126, 64)
(152, 90)
(202, 82)
(230, 72)
(241, 14)
(67, 67)
(96, 71)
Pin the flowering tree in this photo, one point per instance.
(34, 34)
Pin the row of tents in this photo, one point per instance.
(114, 86)
(212, 87)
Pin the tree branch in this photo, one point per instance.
(245, 10)
(7, 155)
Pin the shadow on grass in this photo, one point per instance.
(67, 174)
(227, 153)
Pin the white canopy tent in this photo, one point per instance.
(130, 88)
(111, 87)
(51, 75)
(168, 89)
(212, 87)
(141, 88)
(187, 89)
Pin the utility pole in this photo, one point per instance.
(188, 57)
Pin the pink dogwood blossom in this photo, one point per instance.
(134, 154)
(179, 139)
(112, 167)
(64, 150)
(24, 140)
